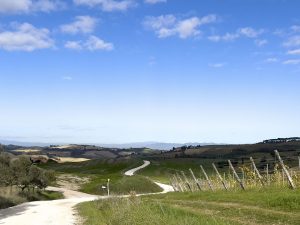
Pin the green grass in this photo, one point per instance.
(100, 170)
(134, 211)
(268, 206)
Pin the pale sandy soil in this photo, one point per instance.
(70, 159)
(27, 150)
(71, 182)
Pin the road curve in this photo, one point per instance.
(132, 171)
(58, 212)
(166, 188)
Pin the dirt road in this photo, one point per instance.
(57, 212)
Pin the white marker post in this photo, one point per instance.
(108, 187)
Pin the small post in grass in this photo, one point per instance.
(236, 176)
(292, 185)
(108, 187)
(220, 177)
(187, 181)
(195, 179)
(207, 178)
(257, 172)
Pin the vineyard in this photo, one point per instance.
(244, 177)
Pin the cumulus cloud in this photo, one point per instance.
(168, 25)
(93, 43)
(247, 32)
(250, 32)
(154, 1)
(292, 41)
(217, 65)
(261, 42)
(294, 52)
(107, 5)
(292, 62)
(295, 28)
(25, 37)
(76, 45)
(271, 60)
(67, 78)
(82, 24)
(27, 6)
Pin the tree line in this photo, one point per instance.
(21, 172)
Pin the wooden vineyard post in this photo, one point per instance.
(235, 175)
(268, 177)
(220, 177)
(285, 170)
(181, 183)
(195, 179)
(207, 179)
(178, 184)
(299, 161)
(257, 172)
(187, 181)
(173, 184)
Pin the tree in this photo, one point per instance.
(21, 167)
(6, 175)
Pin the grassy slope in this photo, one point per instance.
(272, 206)
(163, 169)
(100, 170)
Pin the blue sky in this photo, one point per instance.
(108, 71)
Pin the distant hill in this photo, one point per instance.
(151, 145)
(154, 145)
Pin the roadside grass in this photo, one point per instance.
(98, 171)
(11, 197)
(136, 211)
(266, 206)
(283, 199)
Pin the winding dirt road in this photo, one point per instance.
(57, 212)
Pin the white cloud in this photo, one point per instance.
(250, 32)
(292, 41)
(225, 37)
(26, 6)
(295, 28)
(76, 45)
(217, 65)
(247, 32)
(292, 62)
(93, 43)
(261, 42)
(294, 52)
(82, 24)
(271, 60)
(107, 5)
(67, 78)
(154, 1)
(168, 25)
(25, 37)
